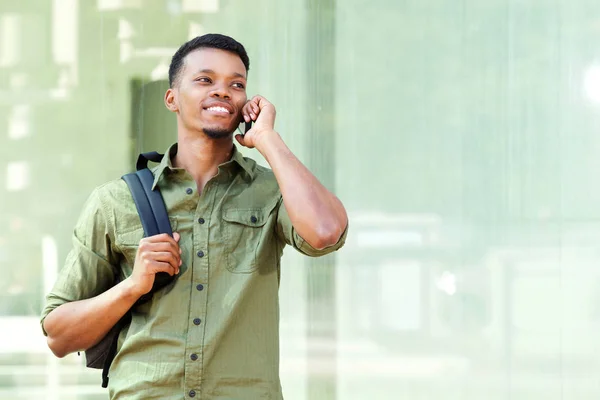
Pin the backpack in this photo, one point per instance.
(155, 220)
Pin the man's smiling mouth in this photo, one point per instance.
(218, 109)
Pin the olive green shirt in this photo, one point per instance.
(214, 332)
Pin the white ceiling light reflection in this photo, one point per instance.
(112, 5)
(447, 283)
(591, 83)
(201, 6)
(10, 39)
(18, 122)
(161, 71)
(17, 176)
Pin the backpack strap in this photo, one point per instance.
(149, 203)
(155, 220)
(142, 161)
(152, 212)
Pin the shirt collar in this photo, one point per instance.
(166, 163)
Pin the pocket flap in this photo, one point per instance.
(246, 216)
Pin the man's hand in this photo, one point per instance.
(159, 253)
(262, 112)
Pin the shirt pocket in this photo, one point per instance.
(246, 231)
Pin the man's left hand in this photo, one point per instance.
(262, 113)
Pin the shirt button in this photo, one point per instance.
(197, 321)
(201, 220)
(253, 219)
(192, 393)
(189, 191)
(200, 287)
(200, 254)
(194, 357)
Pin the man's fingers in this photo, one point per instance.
(254, 107)
(162, 238)
(246, 111)
(163, 256)
(149, 258)
(161, 266)
(171, 247)
(260, 102)
(162, 248)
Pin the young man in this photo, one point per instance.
(213, 333)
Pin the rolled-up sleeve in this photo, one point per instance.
(287, 233)
(89, 267)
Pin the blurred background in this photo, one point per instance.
(462, 136)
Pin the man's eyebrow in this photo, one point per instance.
(210, 71)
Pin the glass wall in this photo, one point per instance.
(461, 136)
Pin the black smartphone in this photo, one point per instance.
(245, 127)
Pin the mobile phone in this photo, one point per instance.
(245, 127)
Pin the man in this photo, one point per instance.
(213, 333)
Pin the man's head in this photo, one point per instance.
(207, 79)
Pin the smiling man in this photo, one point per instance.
(213, 333)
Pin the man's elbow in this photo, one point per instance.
(57, 344)
(56, 347)
(328, 236)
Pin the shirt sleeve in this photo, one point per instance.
(89, 268)
(287, 233)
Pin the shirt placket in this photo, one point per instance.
(200, 286)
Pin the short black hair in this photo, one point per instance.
(212, 41)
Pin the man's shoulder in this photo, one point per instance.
(259, 171)
(258, 188)
(113, 190)
(109, 197)
(264, 173)
(112, 203)
(264, 177)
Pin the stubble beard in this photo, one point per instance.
(217, 133)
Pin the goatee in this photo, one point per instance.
(217, 133)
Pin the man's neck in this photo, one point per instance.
(201, 156)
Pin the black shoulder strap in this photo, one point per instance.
(149, 203)
(142, 161)
(155, 220)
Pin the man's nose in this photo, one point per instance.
(221, 91)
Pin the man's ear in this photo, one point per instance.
(171, 100)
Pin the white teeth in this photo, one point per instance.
(219, 109)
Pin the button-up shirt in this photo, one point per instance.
(214, 332)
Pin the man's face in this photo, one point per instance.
(210, 92)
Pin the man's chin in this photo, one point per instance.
(217, 133)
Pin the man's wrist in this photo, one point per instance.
(267, 141)
(129, 290)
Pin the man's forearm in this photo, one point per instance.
(318, 216)
(81, 324)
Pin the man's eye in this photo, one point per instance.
(239, 85)
(203, 79)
